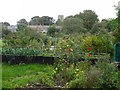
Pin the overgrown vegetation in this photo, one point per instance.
(82, 40)
(102, 75)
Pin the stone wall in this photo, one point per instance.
(42, 28)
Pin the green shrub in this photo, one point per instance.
(98, 44)
(109, 75)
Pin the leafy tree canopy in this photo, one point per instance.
(44, 20)
(89, 18)
(72, 25)
(21, 24)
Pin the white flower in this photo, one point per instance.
(67, 45)
(77, 69)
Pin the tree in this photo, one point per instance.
(21, 24)
(113, 24)
(52, 31)
(72, 25)
(59, 22)
(118, 29)
(104, 26)
(4, 33)
(104, 23)
(44, 20)
(35, 20)
(95, 29)
(4, 29)
(6, 23)
(89, 18)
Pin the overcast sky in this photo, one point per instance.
(14, 10)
